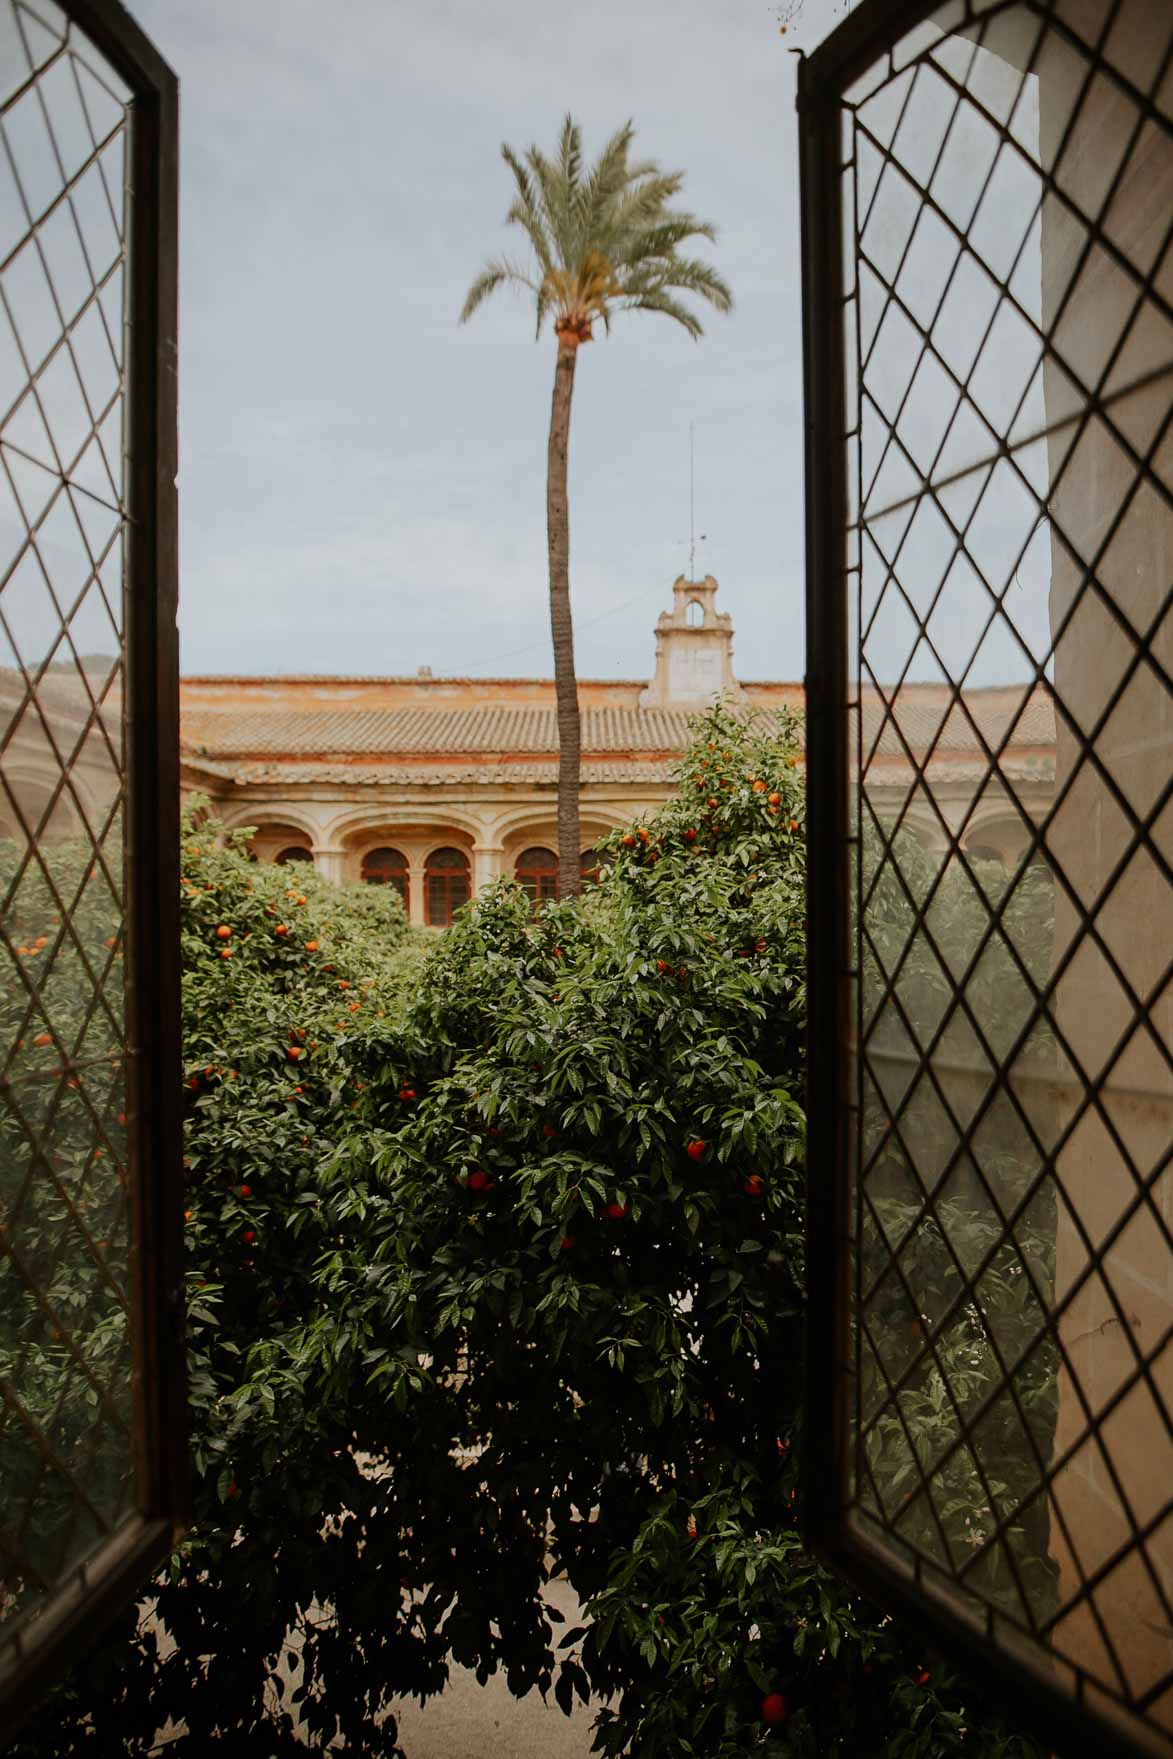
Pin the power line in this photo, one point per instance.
(533, 646)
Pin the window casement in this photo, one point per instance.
(589, 866)
(447, 885)
(93, 1422)
(536, 872)
(988, 319)
(388, 867)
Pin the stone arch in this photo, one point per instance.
(275, 839)
(391, 821)
(1001, 832)
(277, 815)
(537, 822)
(694, 614)
(926, 829)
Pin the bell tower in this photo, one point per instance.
(694, 649)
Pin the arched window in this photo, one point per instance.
(448, 885)
(588, 865)
(984, 852)
(387, 867)
(536, 872)
(294, 852)
(695, 614)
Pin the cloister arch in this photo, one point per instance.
(277, 840)
(280, 819)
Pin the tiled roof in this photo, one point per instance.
(513, 733)
(61, 693)
(371, 775)
(925, 720)
(479, 727)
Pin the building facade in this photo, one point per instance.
(440, 785)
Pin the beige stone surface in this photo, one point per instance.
(470, 1721)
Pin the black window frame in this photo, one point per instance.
(1017, 1681)
(35, 1654)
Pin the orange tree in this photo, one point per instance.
(502, 1276)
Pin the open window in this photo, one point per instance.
(388, 867)
(989, 367)
(448, 885)
(536, 871)
(92, 1383)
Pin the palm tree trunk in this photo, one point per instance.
(561, 626)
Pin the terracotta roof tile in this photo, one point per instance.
(374, 775)
(922, 718)
(504, 728)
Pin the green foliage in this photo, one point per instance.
(63, 1213)
(955, 1462)
(601, 241)
(515, 1288)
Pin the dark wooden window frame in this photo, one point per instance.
(35, 1654)
(446, 878)
(396, 872)
(536, 870)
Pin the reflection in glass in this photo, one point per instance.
(66, 1477)
(1013, 646)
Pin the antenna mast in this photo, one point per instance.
(691, 502)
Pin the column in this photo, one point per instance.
(331, 864)
(488, 861)
(416, 892)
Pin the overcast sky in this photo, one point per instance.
(362, 480)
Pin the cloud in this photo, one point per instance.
(362, 481)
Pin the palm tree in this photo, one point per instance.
(600, 243)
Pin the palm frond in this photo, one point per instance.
(670, 308)
(664, 240)
(555, 216)
(530, 222)
(493, 275)
(525, 189)
(570, 154)
(686, 275)
(603, 239)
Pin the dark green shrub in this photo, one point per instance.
(524, 1294)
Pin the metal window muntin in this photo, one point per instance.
(33, 1655)
(991, 1647)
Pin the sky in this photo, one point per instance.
(362, 480)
